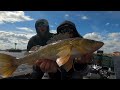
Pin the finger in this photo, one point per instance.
(42, 66)
(38, 62)
(50, 67)
(47, 66)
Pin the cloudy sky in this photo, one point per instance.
(18, 26)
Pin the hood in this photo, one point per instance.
(71, 24)
(41, 21)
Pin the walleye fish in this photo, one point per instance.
(59, 51)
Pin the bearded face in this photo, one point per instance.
(42, 30)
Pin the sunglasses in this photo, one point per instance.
(42, 24)
(66, 29)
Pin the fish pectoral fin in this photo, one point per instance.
(62, 60)
(64, 54)
(67, 66)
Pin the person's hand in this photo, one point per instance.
(87, 58)
(47, 65)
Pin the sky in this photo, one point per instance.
(19, 26)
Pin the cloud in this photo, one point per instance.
(7, 40)
(116, 25)
(25, 29)
(93, 35)
(107, 24)
(112, 24)
(56, 23)
(97, 29)
(111, 46)
(114, 35)
(53, 31)
(13, 16)
(67, 15)
(111, 40)
(84, 17)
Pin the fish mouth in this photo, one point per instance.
(101, 44)
(98, 45)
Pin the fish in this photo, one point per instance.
(60, 51)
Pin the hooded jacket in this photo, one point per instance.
(38, 39)
(40, 22)
(82, 68)
(37, 73)
(70, 24)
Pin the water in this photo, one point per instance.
(16, 54)
(22, 69)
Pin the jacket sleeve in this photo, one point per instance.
(30, 44)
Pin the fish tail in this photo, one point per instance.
(8, 64)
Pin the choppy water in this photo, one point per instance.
(22, 69)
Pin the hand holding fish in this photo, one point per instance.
(47, 65)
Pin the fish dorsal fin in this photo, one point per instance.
(58, 37)
(33, 49)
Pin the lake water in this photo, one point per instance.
(16, 54)
(22, 69)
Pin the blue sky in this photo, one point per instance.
(18, 26)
